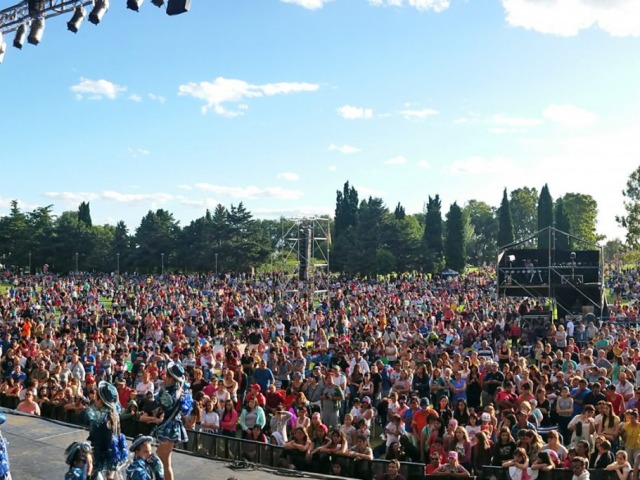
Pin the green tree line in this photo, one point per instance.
(366, 236)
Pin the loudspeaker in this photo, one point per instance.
(176, 7)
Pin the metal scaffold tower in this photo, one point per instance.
(305, 248)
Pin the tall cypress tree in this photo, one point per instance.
(505, 222)
(545, 216)
(84, 214)
(456, 251)
(432, 238)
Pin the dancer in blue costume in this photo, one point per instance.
(110, 450)
(145, 465)
(5, 474)
(175, 401)
(80, 460)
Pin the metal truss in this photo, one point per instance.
(11, 18)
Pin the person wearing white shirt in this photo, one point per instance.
(357, 358)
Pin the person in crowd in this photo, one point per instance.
(452, 468)
(602, 456)
(620, 466)
(5, 470)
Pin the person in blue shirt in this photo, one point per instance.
(579, 394)
(263, 376)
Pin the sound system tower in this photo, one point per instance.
(306, 242)
(176, 7)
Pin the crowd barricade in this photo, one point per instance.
(235, 449)
(499, 473)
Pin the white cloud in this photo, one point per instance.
(397, 160)
(209, 203)
(570, 116)
(289, 176)
(227, 90)
(308, 4)
(435, 5)
(251, 192)
(345, 149)
(332, 168)
(136, 198)
(350, 112)
(182, 186)
(134, 97)
(72, 197)
(96, 89)
(424, 164)
(418, 114)
(619, 18)
(505, 120)
(156, 98)
(138, 152)
(476, 165)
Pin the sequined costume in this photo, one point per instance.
(175, 402)
(109, 448)
(5, 473)
(141, 469)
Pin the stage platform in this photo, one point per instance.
(36, 452)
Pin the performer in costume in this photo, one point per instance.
(175, 401)
(109, 444)
(80, 460)
(145, 465)
(5, 474)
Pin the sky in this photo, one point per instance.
(277, 103)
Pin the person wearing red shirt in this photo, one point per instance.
(617, 400)
(124, 393)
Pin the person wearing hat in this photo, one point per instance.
(175, 401)
(5, 473)
(145, 465)
(109, 444)
(80, 460)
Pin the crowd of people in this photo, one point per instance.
(440, 371)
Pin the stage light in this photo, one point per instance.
(78, 17)
(176, 7)
(99, 9)
(21, 33)
(511, 258)
(36, 32)
(134, 5)
(36, 7)
(158, 3)
(3, 48)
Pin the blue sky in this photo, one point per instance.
(276, 103)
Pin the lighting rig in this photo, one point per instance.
(27, 18)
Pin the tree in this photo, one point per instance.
(631, 221)
(347, 206)
(582, 212)
(433, 248)
(371, 218)
(84, 214)
(505, 222)
(155, 241)
(545, 216)
(399, 212)
(121, 247)
(563, 225)
(524, 215)
(481, 247)
(456, 254)
(614, 250)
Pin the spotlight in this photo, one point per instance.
(176, 7)
(511, 258)
(18, 41)
(158, 3)
(99, 9)
(134, 5)
(78, 17)
(3, 48)
(36, 32)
